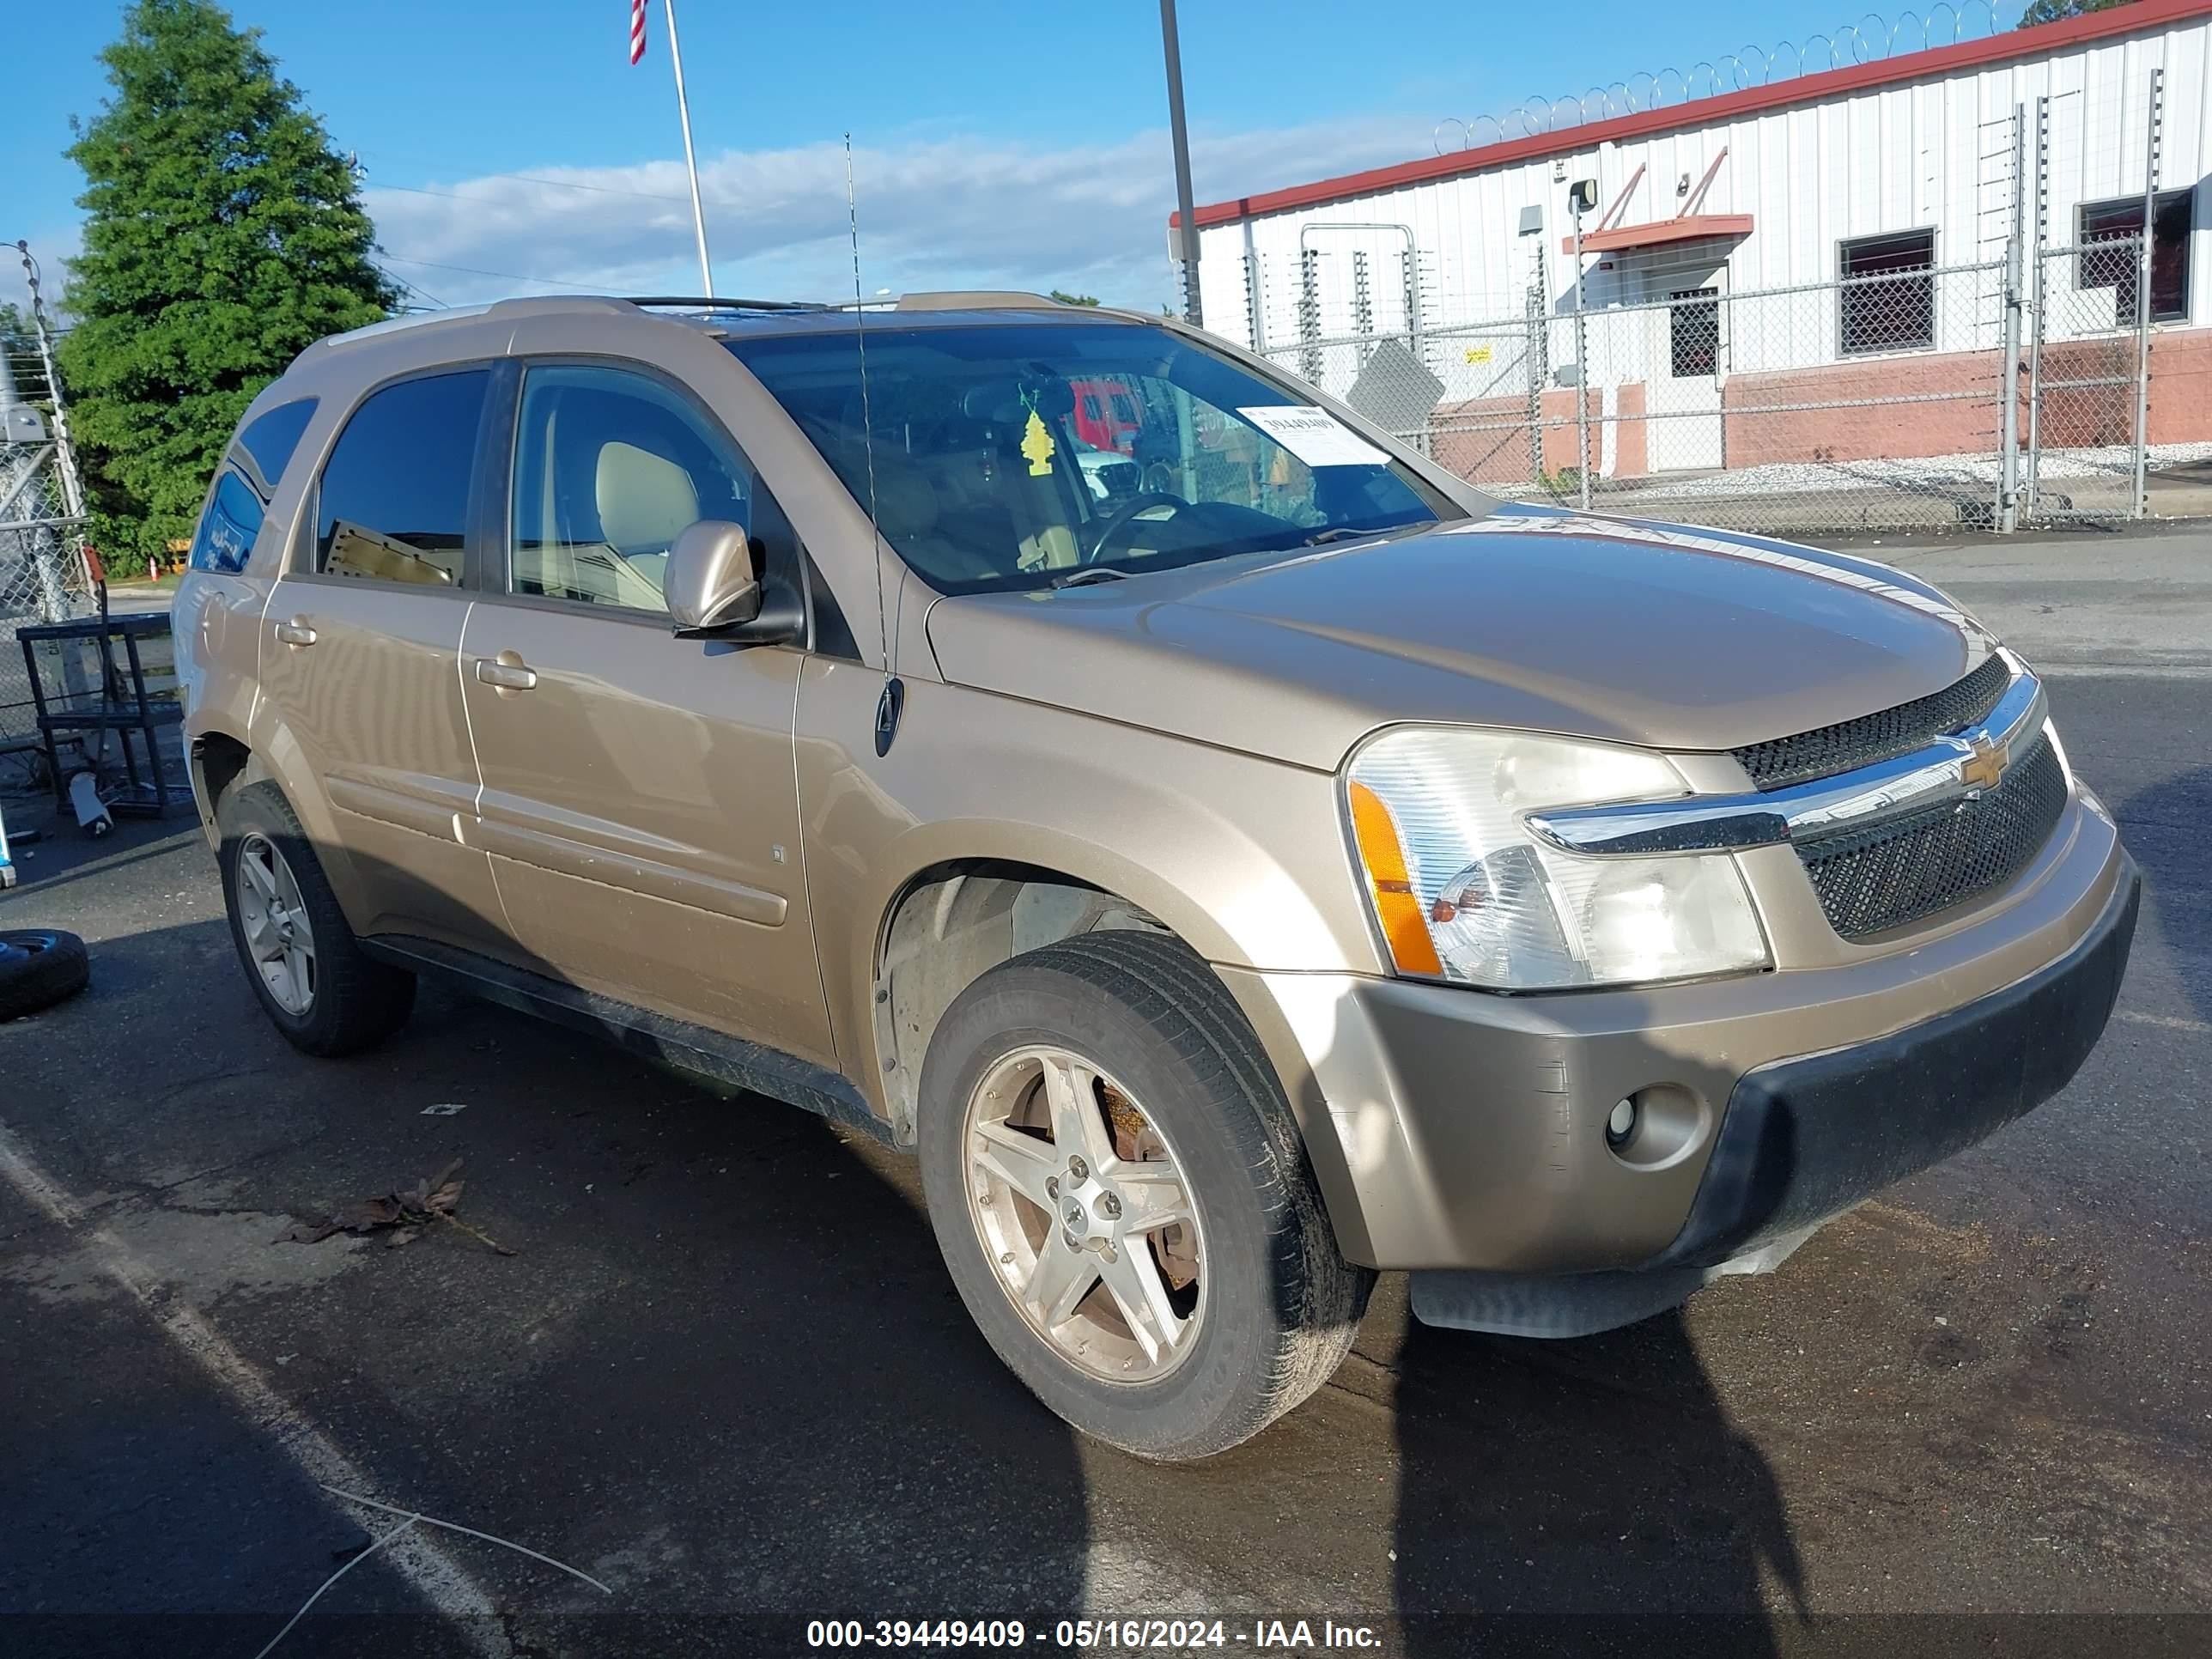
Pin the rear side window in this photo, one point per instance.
(270, 439)
(228, 527)
(394, 503)
(257, 460)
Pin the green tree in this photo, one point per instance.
(1067, 299)
(2050, 11)
(222, 235)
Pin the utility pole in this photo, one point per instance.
(690, 160)
(2008, 503)
(1576, 205)
(2141, 503)
(1187, 219)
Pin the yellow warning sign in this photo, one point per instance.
(1479, 354)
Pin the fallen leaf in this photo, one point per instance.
(402, 1215)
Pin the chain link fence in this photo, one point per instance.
(1867, 402)
(44, 576)
(2013, 384)
(2088, 381)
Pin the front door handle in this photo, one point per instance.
(295, 632)
(507, 673)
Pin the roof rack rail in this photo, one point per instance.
(723, 304)
(981, 299)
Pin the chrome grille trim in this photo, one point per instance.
(1950, 769)
(1848, 744)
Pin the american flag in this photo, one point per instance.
(637, 30)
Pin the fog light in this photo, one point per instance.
(1621, 1123)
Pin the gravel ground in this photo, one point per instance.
(1942, 475)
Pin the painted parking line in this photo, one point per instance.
(2165, 1022)
(444, 1585)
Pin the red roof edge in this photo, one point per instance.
(2129, 19)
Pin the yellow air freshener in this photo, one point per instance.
(1038, 446)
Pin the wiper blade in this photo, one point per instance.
(1087, 574)
(1373, 533)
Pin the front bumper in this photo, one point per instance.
(1805, 1140)
(1454, 1130)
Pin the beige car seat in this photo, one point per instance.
(645, 501)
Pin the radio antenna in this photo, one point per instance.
(893, 700)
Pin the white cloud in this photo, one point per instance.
(936, 212)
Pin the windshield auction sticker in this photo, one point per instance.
(1315, 436)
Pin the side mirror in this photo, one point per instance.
(710, 584)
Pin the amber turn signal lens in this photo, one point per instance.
(1396, 906)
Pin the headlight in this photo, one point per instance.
(1463, 892)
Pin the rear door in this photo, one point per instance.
(639, 801)
(360, 653)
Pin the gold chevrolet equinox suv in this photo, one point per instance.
(1232, 853)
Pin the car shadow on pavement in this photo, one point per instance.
(2165, 824)
(724, 1371)
(1585, 1494)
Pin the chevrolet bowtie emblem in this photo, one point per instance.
(1982, 768)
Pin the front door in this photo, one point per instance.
(360, 642)
(1689, 360)
(638, 799)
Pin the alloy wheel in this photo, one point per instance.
(279, 938)
(1085, 1215)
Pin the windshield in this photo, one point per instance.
(1011, 456)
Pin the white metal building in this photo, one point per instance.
(1868, 209)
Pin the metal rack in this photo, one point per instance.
(120, 705)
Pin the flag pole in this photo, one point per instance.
(690, 160)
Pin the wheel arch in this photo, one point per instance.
(219, 759)
(951, 921)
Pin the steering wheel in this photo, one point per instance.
(1127, 513)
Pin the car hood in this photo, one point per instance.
(1611, 628)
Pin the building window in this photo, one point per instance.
(1693, 333)
(1888, 300)
(2109, 234)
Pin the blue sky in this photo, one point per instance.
(511, 148)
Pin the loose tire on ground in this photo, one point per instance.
(39, 967)
(1281, 1305)
(354, 1002)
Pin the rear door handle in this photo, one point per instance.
(506, 671)
(295, 632)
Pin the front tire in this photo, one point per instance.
(1123, 1199)
(322, 991)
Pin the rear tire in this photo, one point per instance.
(1164, 1047)
(324, 993)
(40, 966)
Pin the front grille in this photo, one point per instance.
(1852, 744)
(1874, 879)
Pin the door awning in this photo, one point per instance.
(1688, 228)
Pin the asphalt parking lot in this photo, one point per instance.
(724, 1374)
